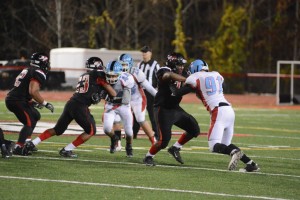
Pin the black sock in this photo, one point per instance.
(24, 133)
(245, 159)
(222, 148)
(118, 133)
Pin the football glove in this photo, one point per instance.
(95, 98)
(50, 107)
(37, 105)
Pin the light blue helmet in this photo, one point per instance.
(197, 66)
(126, 61)
(113, 71)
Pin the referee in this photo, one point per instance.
(150, 66)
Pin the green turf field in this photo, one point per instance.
(270, 136)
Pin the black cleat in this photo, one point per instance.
(29, 146)
(250, 168)
(129, 150)
(4, 151)
(10, 145)
(174, 151)
(68, 154)
(148, 160)
(21, 151)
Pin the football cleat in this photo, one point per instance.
(10, 145)
(4, 151)
(129, 150)
(29, 146)
(21, 151)
(174, 151)
(236, 155)
(119, 146)
(112, 149)
(148, 160)
(68, 154)
(250, 168)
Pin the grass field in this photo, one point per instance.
(271, 137)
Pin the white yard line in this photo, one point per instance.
(163, 166)
(139, 187)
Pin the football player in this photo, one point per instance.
(138, 98)
(208, 87)
(89, 90)
(118, 106)
(25, 97)
(168, 112)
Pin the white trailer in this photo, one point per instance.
(72, 60)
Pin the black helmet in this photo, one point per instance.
(40, 60)
(174, 59)
(94, 63)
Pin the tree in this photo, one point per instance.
(226, 50)
(97, 22)
(180, 39)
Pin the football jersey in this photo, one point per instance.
(139, 77)
(125, 80)
(88, 84)
(20, 91)
(208, 87)
(164, 95)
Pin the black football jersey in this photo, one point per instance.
(88, 84)
(20, 91)
(164, 95)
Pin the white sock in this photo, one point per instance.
(149, 154)
(36, 141)
(70, 147)
(250, 162)
(177, 145)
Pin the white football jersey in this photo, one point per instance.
(125, 81)
(208, 87)
(140, 82)
(139, 77)
(113, 112)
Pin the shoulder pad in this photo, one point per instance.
(162, 70)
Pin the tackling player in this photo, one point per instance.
(89, 91)
(208, 87)
(167, 111)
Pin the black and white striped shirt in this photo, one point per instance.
(150, 68)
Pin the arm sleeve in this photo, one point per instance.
(149, 87)
(184, 90)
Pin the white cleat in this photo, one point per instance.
(235, 157)
(119, 146)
